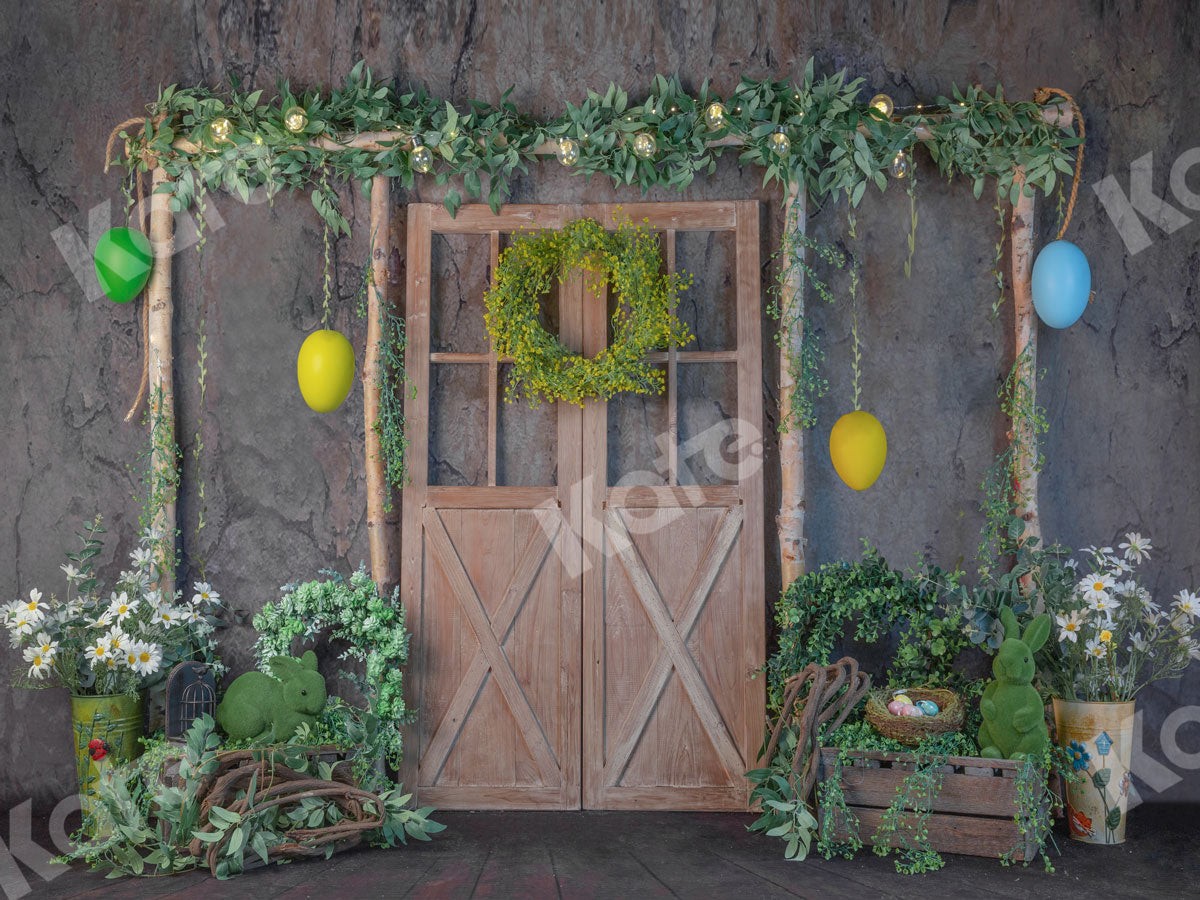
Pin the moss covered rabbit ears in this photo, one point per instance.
(1035, 634)
(285, 667)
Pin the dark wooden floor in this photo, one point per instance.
(635, 855)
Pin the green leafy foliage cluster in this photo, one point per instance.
(146, 821)
(644, 318)
(373, 627)
(839, 145)
(870, 602)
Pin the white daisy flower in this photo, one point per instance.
(118, 642)
(1105, 605)
(142, 557)
(1136, 547)
(167, 616)
(97, 652)
(190, 614)
(1097, 648)
(22, 623)
(147, 658)
(70, 571)
(121, 607)
(1139, 643)
(1071, 564)
(39, 662)
(45, 644)
(1119, 567)
(1096, 585)
(205, 594)
(1069, 627)
(1188, 603)
(34, 605)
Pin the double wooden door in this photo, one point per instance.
(587, 642)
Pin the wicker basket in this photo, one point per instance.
(909, 730)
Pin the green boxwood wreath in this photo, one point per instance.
(372, 625)
(644, 319)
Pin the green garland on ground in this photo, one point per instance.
(374, 628)
(644, 319)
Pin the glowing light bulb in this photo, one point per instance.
(714, 116)
(901, 165)
(220, 129)
(258, 140)
(567, 151)
(882, 104)
(780, 143)
(295, 119)
(421, 158)
(644, 145)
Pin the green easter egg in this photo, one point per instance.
(123, 261)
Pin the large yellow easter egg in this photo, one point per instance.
(858, 448)
(325, 370)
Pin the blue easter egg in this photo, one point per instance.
(928, 707)
(1062, 282)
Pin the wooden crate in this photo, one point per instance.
(973, 813)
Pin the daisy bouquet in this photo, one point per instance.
(95, 641)
(1113, 637)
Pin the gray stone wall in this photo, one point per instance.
(285, 490)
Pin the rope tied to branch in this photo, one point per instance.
(1043, 95)
(139, 222)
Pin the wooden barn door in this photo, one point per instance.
(587, 641)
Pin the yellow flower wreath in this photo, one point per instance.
(644, 319)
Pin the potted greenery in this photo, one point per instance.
(1113, 640)
(107, 650)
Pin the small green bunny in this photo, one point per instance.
(1014, 719)
(260, 708)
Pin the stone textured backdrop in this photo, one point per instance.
(285, 491)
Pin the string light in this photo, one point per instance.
(567, 151)
(883, 105)
(295, 119)
(422, 159)
(644, 145)
(258, 140)
(780, 143)
(220, 129)
(901, 164)
(714, 116)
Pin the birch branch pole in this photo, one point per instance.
(379, 525)
(791, 442)
(1025, 350)
(163, 458)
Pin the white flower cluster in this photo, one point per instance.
(1113, 636)
(125, 634)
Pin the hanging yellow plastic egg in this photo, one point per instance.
(325, 370)
(858, 448)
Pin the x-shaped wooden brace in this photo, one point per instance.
(673, 637)
(491, 634)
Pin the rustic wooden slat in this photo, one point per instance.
(416, 400)
(478, 218)
(750, 474)
(681, 215)
(467, 358)
(1008, 767)
(693, 356)
(791, 442)
(686, 496)
(483, 796)
(446, 732)
(967, 835)
(981, 795)
(693, 797)
(712, 560)
(672, 381)
(531, 730)
(685, 666)
(498, 497)
(493, 371)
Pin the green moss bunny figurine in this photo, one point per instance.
(1014, 718)
(260, 708)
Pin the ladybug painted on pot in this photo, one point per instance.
(98, 749)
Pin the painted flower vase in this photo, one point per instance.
(107, 728)
(1098, 738)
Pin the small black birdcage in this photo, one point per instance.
(191, 693)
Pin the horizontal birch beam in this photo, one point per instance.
(1055, 114)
